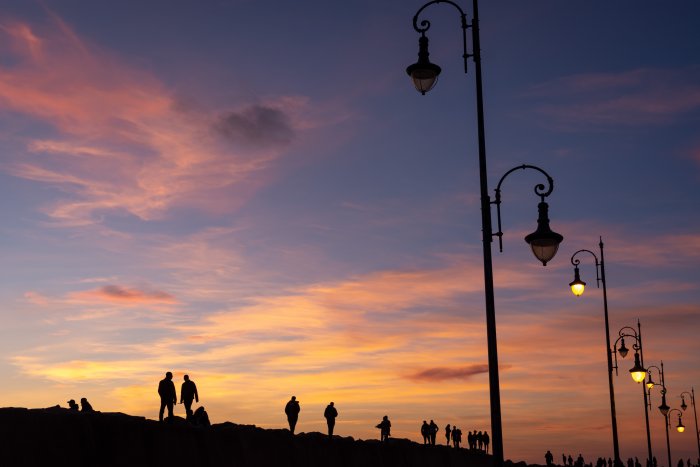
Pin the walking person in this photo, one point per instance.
(168, 397)
(448, 432)
(292, 410)
(385, 428)
(549, 458)
(330, 413)
(188, 392)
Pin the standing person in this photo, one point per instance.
(471, 441)
(425, 432)
(385, 428)
(448, 431)
(292, 410)
(456, 437)
(330, 413)
(433, 432)
(188, 392)
(487, 440)
(168, 397)
(479, 441)
(549, 458)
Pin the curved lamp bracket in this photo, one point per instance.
(575, 261)
(540, 190)
(626, 331)
(425, 25)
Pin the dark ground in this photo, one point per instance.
(58, 437)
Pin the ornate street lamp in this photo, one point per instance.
(680, 428)
(663, 408)
(543, 241)
(638, 372)
(684, 406)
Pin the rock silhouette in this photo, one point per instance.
(115, 439)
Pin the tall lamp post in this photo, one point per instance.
(543, 241)
(684, 406)
(638, 372)
(577, 287)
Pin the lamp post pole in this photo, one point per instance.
(543, 241)
(663, 408)
(600, 278)
(695, 412)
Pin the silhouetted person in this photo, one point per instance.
(85, 406)
(681, 463)
(385, 428)
(630, 462)
(654, 462)
(330, 414)
(200, 418)
(73, 406)
(448, 432)
(479, 441)
(471, 440)
(571, 461)
(579, 460)
(188, 392)
(549, 458)
(425, 432)
(610, 462)
(292, 410)
(637, 463)
(168, 397)
(433, 431)
(456, 437)
(487, 440)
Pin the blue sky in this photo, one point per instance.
(254, 194)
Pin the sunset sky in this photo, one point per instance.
(254, 194)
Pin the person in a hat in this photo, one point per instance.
(73, 406)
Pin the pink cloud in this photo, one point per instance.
(123, 144)
(120, 294)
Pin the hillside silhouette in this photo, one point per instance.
(58, 436)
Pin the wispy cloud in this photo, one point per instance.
(120, 142)
(119, 294)
(637, 97)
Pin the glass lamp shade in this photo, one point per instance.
(664, 408)
(683, 404)
(650, 382)
(543, 241)
(624, 351)
(424, 76)
(423, 73)
(638, 372)
(577, 285)
(680, 427)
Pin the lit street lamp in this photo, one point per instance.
(638, 372)
(577, 287)
(663, 408)
(684, 406)
(543, 241)
(680, 428)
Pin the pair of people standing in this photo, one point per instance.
(293, 408)
(168, 396)
(429, 432)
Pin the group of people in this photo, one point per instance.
(188, 394)
(476, 441)
(568, 461)
(83, 407)
(293, 408)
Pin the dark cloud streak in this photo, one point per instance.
(256, 126)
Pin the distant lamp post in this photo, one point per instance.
(638, 372)
(663, 408)
(577, 287)
(684, 406)
(543, 241)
